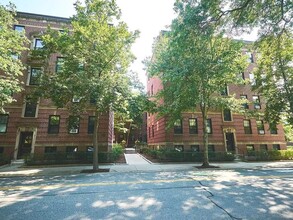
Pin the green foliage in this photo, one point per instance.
(269, 16)
(275, 27)
(274, 76)
(195, 63)
(117, 150)
(96, 52)
(288, 132)
(4, 160)
(270, 155)
(78, 157)
(170, 155)
(12, 43)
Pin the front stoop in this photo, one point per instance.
(129, 151)
(18, 162)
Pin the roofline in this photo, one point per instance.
(42, 17)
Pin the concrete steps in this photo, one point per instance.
(129, 151)
(18, 162)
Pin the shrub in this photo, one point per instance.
(117, 150)
(270, 155)
(79, 157)
(170, 155)
(4, 160)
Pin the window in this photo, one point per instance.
(227, 115)
(251, 78)
(256, 102)
(263, 147)
(153, 131)
(30, 108)
(194, 148)
(71, 149)
(93, 100)
(225, 91)
(250, 57)
(50, 150)
(178, 127)
(73, 126)
(3, 123)
(273, 129)
(91, 125)
(15, 56)
(209, 126)
(211, 148)
(34, 76)
(19, 28)
(1, 150)
(59, 64)
(276, 147)
(179, 148)
(152, 89)
(250, 147)
(149, 132)
(242, 75)
(38, 44)
(193, 126)
(245, 105)
(247, 127)
(54, 122)
(76, 99)
(90, 149)
(260, 127)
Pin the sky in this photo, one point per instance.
(147, 16)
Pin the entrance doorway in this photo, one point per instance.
(25, 144)
(230, 142)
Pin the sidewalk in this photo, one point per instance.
(135, 164)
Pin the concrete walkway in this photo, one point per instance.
(135, 159)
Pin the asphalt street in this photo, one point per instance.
(265, 193)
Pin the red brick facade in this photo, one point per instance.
(36, 127)
(224, 133)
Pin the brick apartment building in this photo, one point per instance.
(40, 127)
(228, 132)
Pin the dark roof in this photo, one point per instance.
(42, 17)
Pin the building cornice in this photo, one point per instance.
(42, 17)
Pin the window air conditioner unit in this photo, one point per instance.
(257, 106)
(73, 131)
(261, 132)
(76, 99)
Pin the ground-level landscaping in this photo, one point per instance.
(168, 155)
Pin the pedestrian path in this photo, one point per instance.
(135, 159)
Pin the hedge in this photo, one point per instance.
(79, 157)
(166, 155)
(4, 160)
(270, 155)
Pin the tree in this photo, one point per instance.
(12, 43)
(96, 55)
(274, 20)
(135, 105)
(270, 16)
(195, 64)
(274, 76)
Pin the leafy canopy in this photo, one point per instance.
(12, 43)
(195, 62)
(96, 55)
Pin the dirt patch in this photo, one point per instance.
(96, 171)
(121, 159)
(206, 167)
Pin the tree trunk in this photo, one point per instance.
(129, 130)
(205, 139)
(95, 142)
